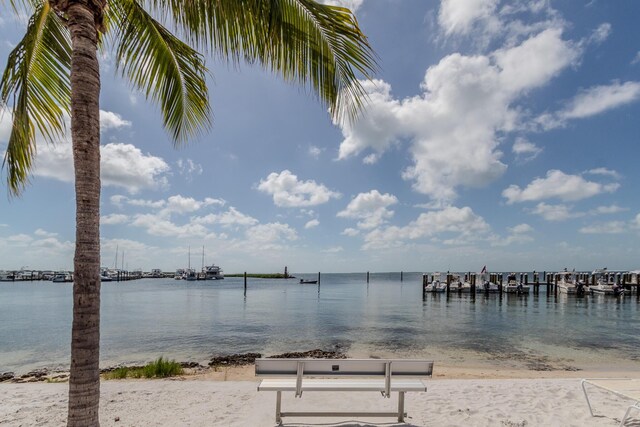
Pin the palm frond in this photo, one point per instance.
(35, 86)
(306, 42)
(165, 68)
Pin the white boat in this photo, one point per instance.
(459, 285)
(484, 283)
(514, 286)
(213, 272)
(179, 274)
(7, 276)
(605, 283)
(568, 284)
(156, 273)
(436, 285)
(62, 277)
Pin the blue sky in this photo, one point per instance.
(497, 133)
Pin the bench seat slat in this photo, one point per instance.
(311, 384)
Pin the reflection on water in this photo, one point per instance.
(195, 320)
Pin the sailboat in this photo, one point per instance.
(190, 273)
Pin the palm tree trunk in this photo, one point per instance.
(84, 380)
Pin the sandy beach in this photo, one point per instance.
(228, 397)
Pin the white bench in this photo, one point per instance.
(380, 375)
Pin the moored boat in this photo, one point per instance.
(514, 286)
(436, 285)
(212, 272)
(62, 277)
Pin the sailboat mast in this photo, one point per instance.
(189, 258)
(202, 257)
(115, 263)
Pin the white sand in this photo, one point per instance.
(184, 402)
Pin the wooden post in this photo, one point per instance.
(472, 280)
(318, 278)
(245, 283)
(448, 282)
(367, 277)
(401, 278)
(501, 278)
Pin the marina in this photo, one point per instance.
(386, 317)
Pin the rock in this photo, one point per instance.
(190, 365)
(38, 373)
(116, 419)
(6, 376)
(235, 359)
(313, 354)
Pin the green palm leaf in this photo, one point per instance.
(165, 68)
(306, 42)
(35, 86)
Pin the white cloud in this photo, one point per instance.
(517, 234)
(521, 229)
(351, 232)
(315, 151)
(121, 165)
(113, 219)
(333, 250)
(453, 125)
(288, 191)
(158, 226)
(371, 208)
(607, 210)
(232, 217)
(312, 224)
(525, 150)
(271, 233)
(110, 120)
(188, 168)
(612, 227)
(181, 205)
(555, 212)
(557, 185)
(592, 101)
(636, 59)
(601, 33)
(124, 165)
(462, 222)
(462, 16)
(604, 172)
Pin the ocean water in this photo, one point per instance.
(193, 321)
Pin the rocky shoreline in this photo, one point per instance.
(242, 359)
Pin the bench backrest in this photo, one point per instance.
(344, 367)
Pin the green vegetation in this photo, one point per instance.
(160, 368)
(261, 275)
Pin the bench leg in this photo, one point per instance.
(624, 419)
(278, 406)
(401, 407)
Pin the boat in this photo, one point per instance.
(104, 275)
(436, 285)
(568, 284)
(605, 284)
(62, 277)
(514, 286)
(484, 283)
(156, 273)
(179, 274)
(190, 275)
(212, 272)
(309, 282)
(7, 276)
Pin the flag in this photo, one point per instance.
(484, 270)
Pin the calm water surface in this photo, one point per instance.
(144, 319)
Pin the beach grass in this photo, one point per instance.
(159, 368)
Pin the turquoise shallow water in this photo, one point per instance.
(144, 319)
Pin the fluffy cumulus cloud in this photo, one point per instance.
(188, 168)
(520, 233)
(121, 165)
(110, 120)
(228, 219)
(604, 172)
(557, 185)
(461, 223)
(592, 101)
(288, 191)
(372, 209)
(453, 125)
(559, 212)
